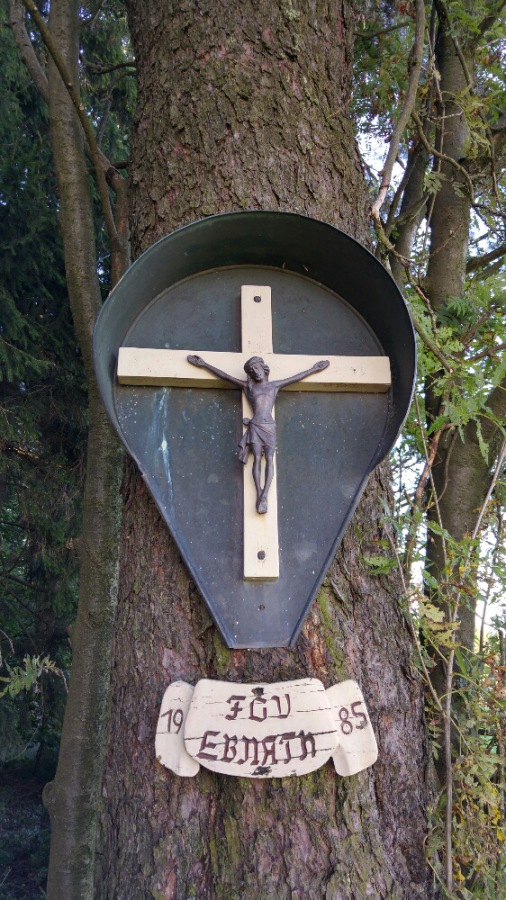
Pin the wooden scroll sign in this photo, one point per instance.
(264, 730)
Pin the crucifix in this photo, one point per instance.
(173, 368)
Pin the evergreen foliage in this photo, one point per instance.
(42, 386)
(42, 418)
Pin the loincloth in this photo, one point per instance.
(263, 436)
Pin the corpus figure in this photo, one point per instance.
(260, 436)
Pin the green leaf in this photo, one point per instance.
(380, 565)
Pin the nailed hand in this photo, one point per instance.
(195, 360)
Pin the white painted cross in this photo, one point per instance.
(171, 368)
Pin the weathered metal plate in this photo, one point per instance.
(330, 296)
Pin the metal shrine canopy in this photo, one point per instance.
(293, 291)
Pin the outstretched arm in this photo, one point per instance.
(318, 367)
(201, 363)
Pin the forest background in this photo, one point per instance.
(428, 101)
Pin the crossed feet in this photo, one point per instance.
(262, 503)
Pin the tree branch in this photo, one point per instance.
(431, 344)
(117, 223)
(392, 220)
(25, 47)
(114, 238)
(441, 4)
(94, 13)
(420, 330)
(409, 103)
(106, 171)
(496, 405)
(416, 506)
(104, 70)
(491, 17)
(495, 478)
(492, 269)
(411, 212)
(367, 35)
(443, 156)
(479, 262)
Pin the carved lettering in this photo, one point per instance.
(174, 717)
(269, 748)
(346, 725)
(285, 739)
(359, 715)
(252, 745)
(252, 714)
(230, 748)
(205, 744)
(288, 706)
(249, 742)
(306, 739)
(344, 718)
(259, 707)
(236, 709)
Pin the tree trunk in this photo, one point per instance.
(244, 106)
(72, 798)
(461, 474)
(458, 481)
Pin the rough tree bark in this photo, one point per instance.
(245, 106)
(72, 797)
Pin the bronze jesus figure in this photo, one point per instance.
(260, 436)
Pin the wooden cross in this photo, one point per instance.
(171, 368)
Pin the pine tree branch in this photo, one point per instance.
(416, 59)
